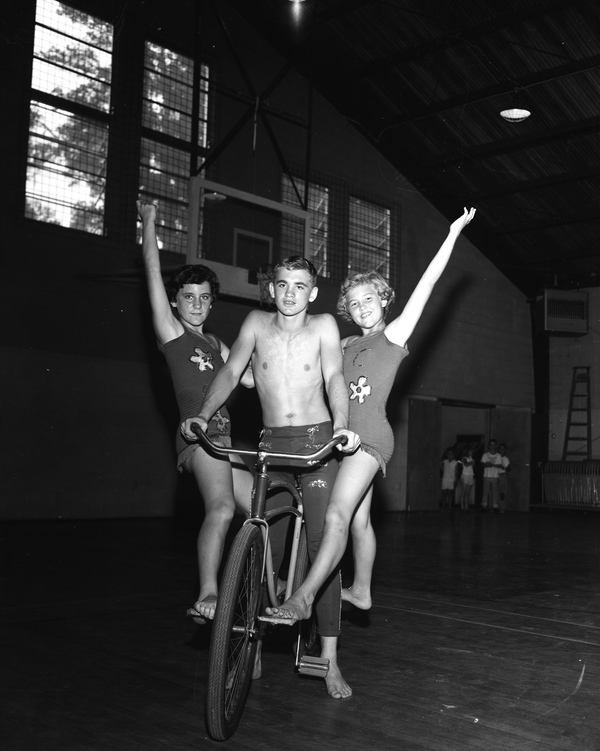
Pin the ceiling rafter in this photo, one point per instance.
(558, 261)
(459, 37)
(548, 224)
(540, 183)
(536, 184)
(518, 143)
(481, 95)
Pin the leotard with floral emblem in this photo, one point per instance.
(370, 366)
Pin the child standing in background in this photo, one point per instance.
(449, 468)
(467, 481)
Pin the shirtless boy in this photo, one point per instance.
(296, 359)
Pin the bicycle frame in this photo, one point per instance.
(236, 630)
(262, 484)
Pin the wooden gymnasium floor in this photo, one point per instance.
(485, 634)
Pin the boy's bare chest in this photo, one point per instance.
(289, 355)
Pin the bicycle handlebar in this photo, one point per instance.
(340, 440)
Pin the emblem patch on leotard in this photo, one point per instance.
(360, 390)
(202, 359)
(222, 422)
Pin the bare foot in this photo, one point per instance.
(294, 609)
(203, 610)
(337, 687)
(359, 599)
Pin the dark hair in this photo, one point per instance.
(384, 291)
(296, 263)
(191, 274)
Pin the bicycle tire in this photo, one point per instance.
(234, 637)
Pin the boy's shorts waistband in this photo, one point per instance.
(315, 432)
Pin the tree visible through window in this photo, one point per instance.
(68, 125)
(167, 138)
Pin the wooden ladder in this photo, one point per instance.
(578, 435)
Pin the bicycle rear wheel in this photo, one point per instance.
(235, 634)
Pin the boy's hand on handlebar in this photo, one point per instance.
(186, 427)
(352, 441)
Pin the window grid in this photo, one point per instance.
(292, 228)
(368, 237)
(67, 192)
(164, 178)
(68, 142)
(167, 115)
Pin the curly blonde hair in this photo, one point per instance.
(384, 291)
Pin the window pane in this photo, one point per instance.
(292, 229)
(168, 91)
(72, 55)
(164, 178)
(369, 238)
(67, 151)
(167, 110)
(66, 169)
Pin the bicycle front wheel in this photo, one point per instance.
(235, 634)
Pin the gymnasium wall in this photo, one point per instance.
(88, 414)
(565, 354)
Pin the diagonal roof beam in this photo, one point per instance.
(580, 128)
(547, 224)
(451, 40)
(526, 82)
(560, 260)
(538, 184)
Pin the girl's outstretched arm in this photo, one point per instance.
(399, 330)
(166, 325)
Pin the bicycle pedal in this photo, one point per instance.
(318, 666)
(277, 619)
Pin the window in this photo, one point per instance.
(292, 229)
(166, 160)
(369, 237)
(68, 120)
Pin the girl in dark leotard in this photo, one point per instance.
(194, 357)
(364, 299)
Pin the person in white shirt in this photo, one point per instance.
(448, 470)
(467, 481)
(491, 462)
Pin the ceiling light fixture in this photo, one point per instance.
(517, 111)
(515, 114)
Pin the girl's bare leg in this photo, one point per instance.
(243, 481)
(214, 478)
(353, 480)
(364, 546)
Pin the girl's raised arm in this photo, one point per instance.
(399, 330)
(166, 325)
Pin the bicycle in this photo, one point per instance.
(248, 573)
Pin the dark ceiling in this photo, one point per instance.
(424, 81)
